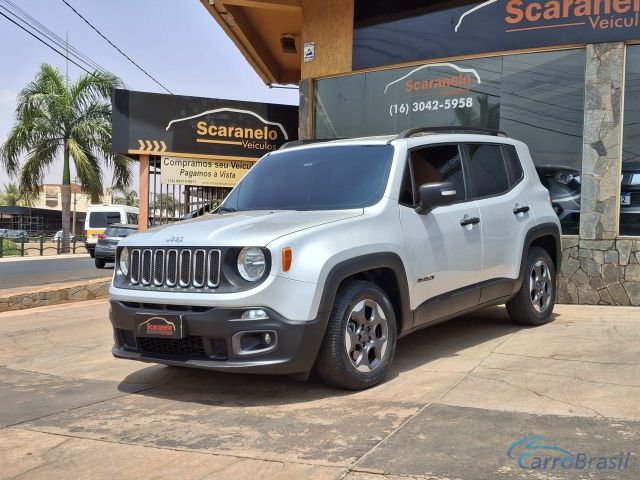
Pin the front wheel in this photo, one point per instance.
(100, 262)
(360, 340)
(535, 300)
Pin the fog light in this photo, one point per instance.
(266, 339)
(254, 315)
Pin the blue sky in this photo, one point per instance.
(176, 41)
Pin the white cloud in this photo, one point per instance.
(7, 97)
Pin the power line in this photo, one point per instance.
(41, 33)
(114, 46)
(34, 24)
(47, 44)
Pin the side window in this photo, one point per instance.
(406, 189)
(514, 166)
(442, 163)
(487, 170)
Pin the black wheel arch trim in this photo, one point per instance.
(364, 263)
(539, 231)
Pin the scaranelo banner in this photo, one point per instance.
(201, 128)
(203, 172)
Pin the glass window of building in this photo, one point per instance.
(630, 178)
(536, 97)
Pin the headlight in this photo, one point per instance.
(123, 261)
(251, 264)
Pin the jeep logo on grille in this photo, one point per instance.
(175, 239)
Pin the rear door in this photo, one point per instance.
(445, 256)
(497, 184)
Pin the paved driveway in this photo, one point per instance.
(459, 395)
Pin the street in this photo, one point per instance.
(41, 271)
(459, 395)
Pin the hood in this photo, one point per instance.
(252, 228)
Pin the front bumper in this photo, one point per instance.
(210, 339)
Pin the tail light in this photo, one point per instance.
(84, 235)
(101, 236)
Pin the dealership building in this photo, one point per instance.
(561, 75)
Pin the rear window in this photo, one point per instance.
(103, 219)
(118, 232)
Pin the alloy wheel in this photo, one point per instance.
(540, 286)
(366, 335)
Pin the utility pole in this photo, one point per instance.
(75, 202)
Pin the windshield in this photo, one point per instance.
(323, 178)
(103, 219)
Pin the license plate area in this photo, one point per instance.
(625, 199)
(153, 325)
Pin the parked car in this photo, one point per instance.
(58, 236)
(105, 251)
(99, 217)
(14, 234)
(564, 185)
(325, 254)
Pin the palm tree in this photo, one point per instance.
(54, 117)
(129, 197)
(13, 197)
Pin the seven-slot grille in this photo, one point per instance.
(183, 268)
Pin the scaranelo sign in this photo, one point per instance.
(199, 128)
(452, 28)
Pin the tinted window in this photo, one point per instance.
(103, 219)
(118, 232)
(438, 164)
(487, 170)
(514, 166)
(320, 178)
(406, 189)
(132, 218)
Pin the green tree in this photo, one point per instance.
(127, 197)
(73, 120)
(13, 197)
(166, 204)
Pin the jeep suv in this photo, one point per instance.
(325, 254)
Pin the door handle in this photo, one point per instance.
(469, 221)
(518, 210)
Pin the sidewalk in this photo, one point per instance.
(44, 257)
(459, 395)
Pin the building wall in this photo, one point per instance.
(600, 267)
(329, 24)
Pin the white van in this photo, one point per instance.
(99, 217)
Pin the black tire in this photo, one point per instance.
(100, 262)
(334, 364)
(522, 308)
(92, 253)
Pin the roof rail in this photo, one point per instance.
(486, 131)
(299, 143)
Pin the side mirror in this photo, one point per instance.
(432, 195)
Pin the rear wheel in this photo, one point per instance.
(100, 262)
(534, 303)
(360, 340)
(92, 253)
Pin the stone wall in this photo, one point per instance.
(599, 267)
(600, 272)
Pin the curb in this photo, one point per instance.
(55, 294)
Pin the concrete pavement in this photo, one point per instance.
(458, 397)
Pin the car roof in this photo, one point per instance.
(122, 225)
(420, 138)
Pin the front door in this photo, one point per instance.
(445, 245)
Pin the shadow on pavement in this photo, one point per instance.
(417, 351)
